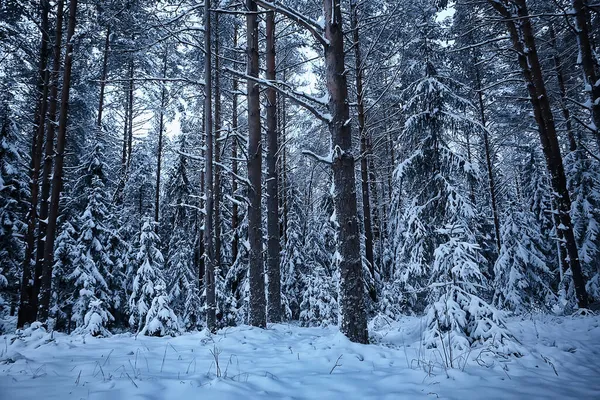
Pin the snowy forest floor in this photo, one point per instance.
(561, 360)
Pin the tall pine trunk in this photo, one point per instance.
(217, 150)
(234, 163)
(209, 266)
(28, 302)
(103, 77)
(274, 310)
(50, 132)
(362, 133)
(353, 317)
(161, 122)
(257, 310)
(57, 174)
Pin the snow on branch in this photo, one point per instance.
(326, 160)
(300, 98)
(314, 27)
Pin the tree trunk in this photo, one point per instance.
(353, 318)
(28, 302)
(589, 63)
(217, 151)
(61, 139)
(558, 68)
(103, 77)
(130, 105)
(49, 145)
(234, 164)
(488, 161)
(163, 104)
(209, 271)
(257, 311)
(274, 310)
(362, 133)
(522, 37)
(125, 134)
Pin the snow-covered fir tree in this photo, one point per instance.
(584, 184)
(149, 308)
(319, 300)
(522, 277)
(13, 200)
(93, 262)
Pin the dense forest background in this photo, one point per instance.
(173, 166)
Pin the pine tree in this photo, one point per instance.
(93, 262)
(293, 261)
(13, 194)
(183, 286)
(149, 303)
(160, 319)
(65, 256)
(457, 317)
(584, 186)
(522, 277)
(319, 305)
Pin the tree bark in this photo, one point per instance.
(103, 77)
(257, 311)
(274, 310)
(163, 104)
(523, 39)
(234, 164)
(28, 302)
(353, 318)
(58, 170)
(488, 160)
(130, 106)
(217, 150)
(209, 271)
(362, 133)
(49, 145)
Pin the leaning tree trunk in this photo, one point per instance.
(209, 266)
(353, 317)
(28, 302)
(58, 170)
(274, 310)
(522, 36)
(257, 310)
(49, 146)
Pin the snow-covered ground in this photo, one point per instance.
(562, 360)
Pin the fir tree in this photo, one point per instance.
(149, 303)
(93, 262)
(522, 277)
(13, 195)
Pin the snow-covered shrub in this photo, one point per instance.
(457, 318)
(96, 319)
(160, 319)
(319, 306)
